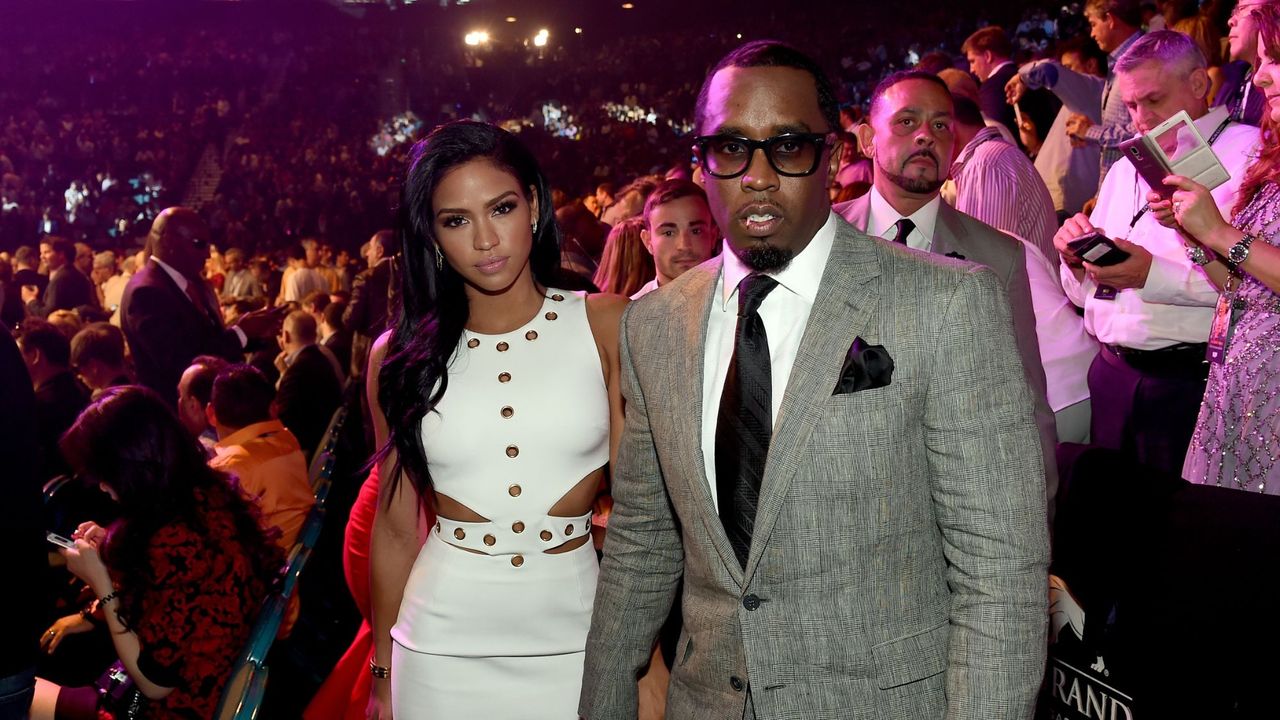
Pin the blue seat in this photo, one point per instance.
(265, 629)
(242, 698)
(298, 558)
(311, 528)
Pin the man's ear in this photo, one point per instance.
(866, 139)
(210, 415)
(1200, 83)
(644, 238)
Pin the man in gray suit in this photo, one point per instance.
(909, 136)
(830, 439)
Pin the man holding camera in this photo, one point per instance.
(1152, 311)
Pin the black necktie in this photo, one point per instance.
(904, 228)
(745, 422)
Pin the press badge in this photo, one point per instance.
(1224, 326)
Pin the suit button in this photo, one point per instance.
(751, 602)
(736, 683)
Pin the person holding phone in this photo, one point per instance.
(1152, 310)
(1237, 429)
(179, 577)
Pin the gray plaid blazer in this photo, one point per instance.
(898, 565)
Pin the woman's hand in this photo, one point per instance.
(1193, 208)
(84, 562)
(69, 625)
(91, 532)
(379, 707)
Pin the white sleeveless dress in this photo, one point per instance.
(501, 632)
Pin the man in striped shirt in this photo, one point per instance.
(997, 184)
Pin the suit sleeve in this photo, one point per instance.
(1024, 328)
(989, 497)
(48, 300)
(642, 565)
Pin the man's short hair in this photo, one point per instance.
(317, 299)
(385, 239)
(233, 254)
(605, 187)
(900, 77)
(297, 252)
(1128, 12)
(201, 385)
(301, 326)
(991, 38)
(242, 396)
(333, 315)
(104, 259)
(99, 341)
(670, 191)
(61, 246)
(773, 53)
(42, 335)
(967, 112)
(26, 255)
(1176, 53)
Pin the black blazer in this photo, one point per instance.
(166, 331)
(310, 391)
(367, 313)
(991, 98)
(68, 289)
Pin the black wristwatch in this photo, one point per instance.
(1239, 252)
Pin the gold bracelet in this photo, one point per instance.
(378, 671)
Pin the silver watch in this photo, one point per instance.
(1198, 255)
(1239, 252)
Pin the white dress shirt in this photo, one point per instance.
(882, 218)
(181, 281)
(785, 313)
(1066, 350)
(1176, 304)
(645, 289)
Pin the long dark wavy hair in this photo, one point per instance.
(433, 308)
(133, 442)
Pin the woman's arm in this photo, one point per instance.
(87, 565)
(393, 545)
(1193, 209)
(604, 315)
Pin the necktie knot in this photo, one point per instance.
(903, 227)
(752, 291)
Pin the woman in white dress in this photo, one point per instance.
(496, 398)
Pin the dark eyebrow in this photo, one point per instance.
(460, 211)
(783, 129)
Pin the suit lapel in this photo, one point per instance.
(842, 310)
(948, 231)
(688, 337)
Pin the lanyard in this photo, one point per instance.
(1217, 133)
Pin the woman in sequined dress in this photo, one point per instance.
(1237, 436)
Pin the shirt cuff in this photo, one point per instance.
(1170, 282)
(244, 339)
(1040, 74)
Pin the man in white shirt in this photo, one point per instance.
(302, 280)
(679, 231)
(1151, 312)
(829, 438)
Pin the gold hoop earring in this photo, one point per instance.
(439, 259)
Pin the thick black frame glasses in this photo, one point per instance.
(782, 159)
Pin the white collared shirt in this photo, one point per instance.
(785, 313)
(1176, 304)
(882, 218)
(645, 289)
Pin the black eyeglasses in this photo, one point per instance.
(789, 154)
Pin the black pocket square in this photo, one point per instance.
(955, 255)
(865, 367)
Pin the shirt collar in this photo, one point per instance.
(178, 277)
(249, 432)
(983, 135)
(996, 69)
(883, 216)
(802, 276)
(1124, 47)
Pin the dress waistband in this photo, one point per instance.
(520, 537)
